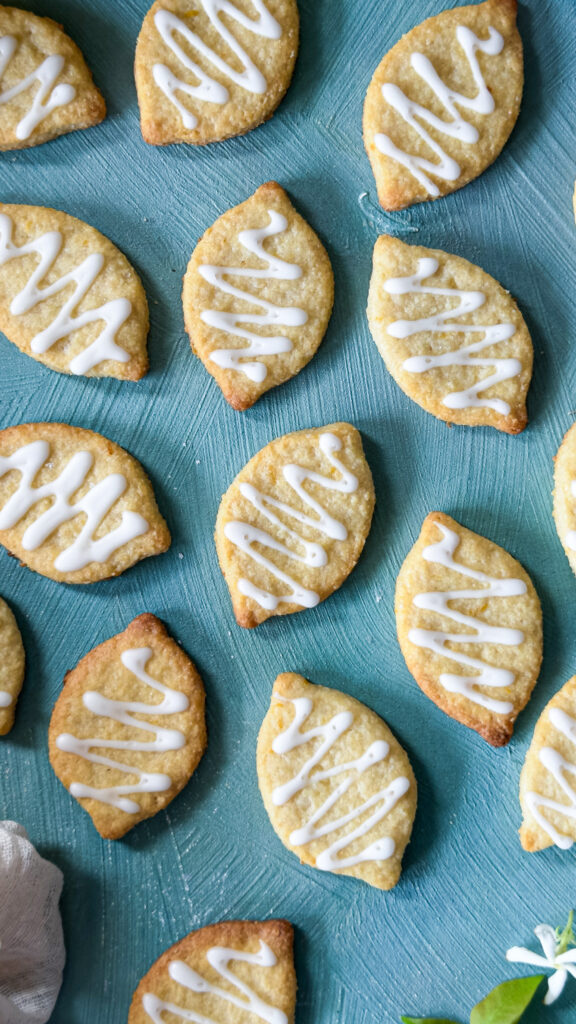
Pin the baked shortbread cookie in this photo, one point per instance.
(74, 506)
(235, 972)
(12, 665)
(68, 297)
(293, 523)
(470, 627)
(450, 335)
(128, 728)
(210, 70)
(565, 494)
(257, 296)
(443, 102)
(548, 779)
(336, 784)
(45, 87)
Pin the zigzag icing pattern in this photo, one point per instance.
(436, 640)
(242, 996)
(209, 89)
(46, 98)
(165, 739)
(94, 506)
(560, 768)
(444, 322)
(282, 316)
(244, 535)
(456, 127)
(380, 804)
(114, 313)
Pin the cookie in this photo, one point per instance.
(548, 779)
(46, 89)
(565, 494)
(293, 523)
(212, 70)
(338, 787)
(74, 506)
(470, 627)
(450, 335)
(443, 102)
(257, 296)
(68, 297)
(12, 663)
(235, 972)
(128, 728)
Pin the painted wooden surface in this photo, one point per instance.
(436, 943)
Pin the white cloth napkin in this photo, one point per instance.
(31, 941)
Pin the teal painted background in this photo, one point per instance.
(436, 943)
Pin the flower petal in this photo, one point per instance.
(569, 957)
(571, 969)
(519, 955)
(547, 938)
(555, 986)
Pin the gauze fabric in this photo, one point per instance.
(32, 951)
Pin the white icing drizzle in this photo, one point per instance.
(456, 127)
(135, 660)
(381, 802)
(209, 89)
(441, 323)
(218, 957)
(48, 96)
(282, 316)
(570, 538)
(113, 313)
(95, 506)
(6, 699)
(436, 640)
(244, 535)
(559, 768)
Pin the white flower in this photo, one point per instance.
(562, 963)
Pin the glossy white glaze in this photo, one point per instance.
(239, 994)
(94, 506)
(113, 314)
(124, 712)
(273, 315)
(416, 116)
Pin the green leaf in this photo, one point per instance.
(428, 1020)
(506, 1003)
(566, 938)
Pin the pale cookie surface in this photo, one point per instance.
(128, 728)
(235, 972)
(451, 336)
(213, 69)
(45, 87)
(74, 506)
(12, 664)
(470, 627)
(292, 525)
(548, 779)
(257, 296)
(68, 297)
(443, 102)
(565, 494)
(338, 787)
